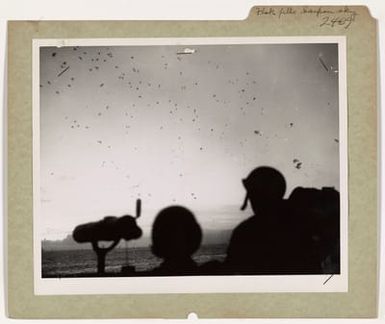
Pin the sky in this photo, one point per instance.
(119, 123)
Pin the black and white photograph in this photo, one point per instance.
(214, 159)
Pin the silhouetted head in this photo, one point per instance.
(265, 186)
(175, 233)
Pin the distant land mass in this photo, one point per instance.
(209, 237)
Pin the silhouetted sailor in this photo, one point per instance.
(295, 236)
(256, 244)
(272, 241)
(176, 236)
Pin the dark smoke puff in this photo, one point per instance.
(110, 228)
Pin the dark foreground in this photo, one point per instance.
(82, 263)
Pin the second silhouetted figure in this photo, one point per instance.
(270, 242)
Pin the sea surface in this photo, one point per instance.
(80, 262)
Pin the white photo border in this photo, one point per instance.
(193, 284)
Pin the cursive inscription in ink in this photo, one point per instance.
(326, 17)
